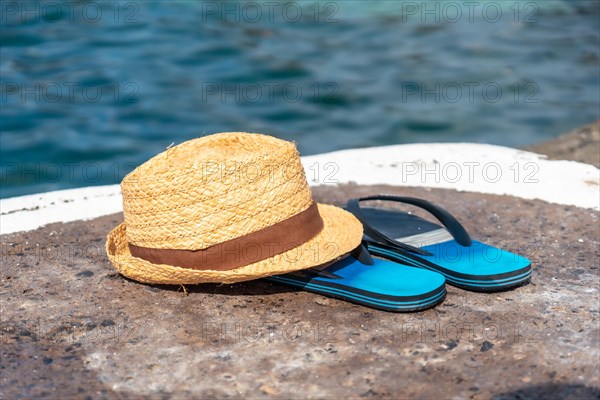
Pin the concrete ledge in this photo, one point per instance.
(73, 328)
(30, 212)
(460, 166)
(469, 167)
(581, 144)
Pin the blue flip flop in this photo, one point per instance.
(375, 283)
(448, 250)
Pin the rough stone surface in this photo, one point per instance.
(73, 328)
(581, 144)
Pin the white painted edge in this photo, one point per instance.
(461, 166)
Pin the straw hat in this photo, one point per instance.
(225, 208)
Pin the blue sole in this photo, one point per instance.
(372, 302)
(385, 285)
(482, 283)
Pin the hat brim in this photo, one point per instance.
(341, 234)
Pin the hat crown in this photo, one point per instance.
(213, 189)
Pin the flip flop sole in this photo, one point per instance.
(372, 300)
(479, 283)
(476, 266)
(385, 285)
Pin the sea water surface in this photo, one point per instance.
(90, 89)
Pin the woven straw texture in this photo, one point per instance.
(341, 233)
(213, 189)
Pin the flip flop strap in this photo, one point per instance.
(458, 232)
(360, 253)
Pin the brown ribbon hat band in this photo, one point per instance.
(248, 249)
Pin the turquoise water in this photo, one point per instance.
(91, 89)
